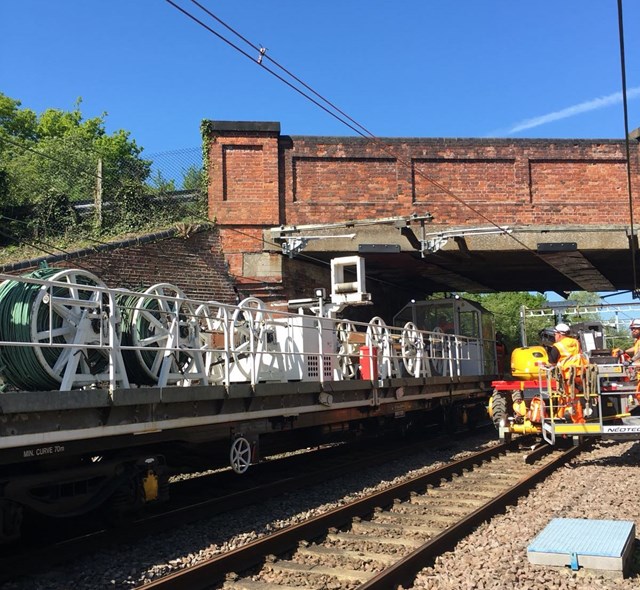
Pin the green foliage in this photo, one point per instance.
(133, 208)
(16, 122)
(506, 310)
(59, 150)
(195, 179)
(159, 185)
(52, 160)
(55, 215)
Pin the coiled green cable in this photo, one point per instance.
(26, 367)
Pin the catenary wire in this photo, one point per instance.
(368, 133)
(626, 135)
(369, 136)
(267, 57)
(283, 80)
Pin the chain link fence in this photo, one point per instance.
(63, 195)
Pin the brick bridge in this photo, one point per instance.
(506, 214)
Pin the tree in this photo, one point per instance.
(506, 310)
(56, 154)
(194, 179)
(160, 185)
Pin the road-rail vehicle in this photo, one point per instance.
(601, 398)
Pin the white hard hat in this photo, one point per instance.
(562, 328)
(634, 324)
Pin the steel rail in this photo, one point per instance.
(329, 463)
(207, 574)
(404, 571)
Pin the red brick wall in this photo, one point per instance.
(530, 181)
(195, 264)
(260, 179)
(243, 174)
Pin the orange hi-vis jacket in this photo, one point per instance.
(570, 355)
(636, 348)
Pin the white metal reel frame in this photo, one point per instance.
(379, 337)
(347, 349)
(377, 332)
(75, 313)
(250, 323)
(437, 350)
(412, 350)
(240, 455)
(166, 336)
(213, 320)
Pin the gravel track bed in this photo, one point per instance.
(600, 484)
(493, 557)
(131, 565)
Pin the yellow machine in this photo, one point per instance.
(594, 399)
(526, 361)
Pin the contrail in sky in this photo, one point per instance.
(583, 107)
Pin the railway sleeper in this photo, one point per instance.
(343, 575)
(453, 499)
(506, 474)
(246, 584)
(351, 538)
(430, 516)
(316, 551)
(474, 493)
(451, 507)
(404, 521)
(368, 526)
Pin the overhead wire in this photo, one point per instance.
(632, 237)
(66, 164)
(234, 46)
(348, 121)
(341, 116)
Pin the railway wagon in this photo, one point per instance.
(106, 392)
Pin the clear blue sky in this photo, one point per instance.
(421, 68)
(428, 68)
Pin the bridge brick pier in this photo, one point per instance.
(565, 203)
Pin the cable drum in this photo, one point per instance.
(162, 330)
(50, 317)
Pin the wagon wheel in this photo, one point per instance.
(214, 337)
(240, 455)
(412, 347)
(347, 349)
(436, 351)
(498, 405)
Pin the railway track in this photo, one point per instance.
(383, 540)
(193, 501)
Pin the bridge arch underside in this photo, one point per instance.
(593, 258)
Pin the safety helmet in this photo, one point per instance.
(634, 324)
(563, 329)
